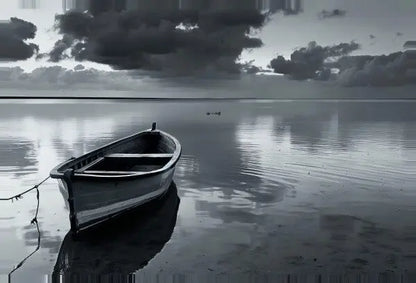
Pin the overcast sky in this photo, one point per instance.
(380, 26)
(381, 18)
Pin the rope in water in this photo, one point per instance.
(20, 195)
(33, 221)
(20, 264)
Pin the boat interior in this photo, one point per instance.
(148, 152)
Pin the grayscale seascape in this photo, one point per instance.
(322, 187)
(202, 141)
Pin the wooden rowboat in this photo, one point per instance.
(117, 177)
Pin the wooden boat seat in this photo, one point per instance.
(96, 161)
(139, 163)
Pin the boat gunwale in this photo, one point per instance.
(56, 174)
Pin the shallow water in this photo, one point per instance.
(315, 188)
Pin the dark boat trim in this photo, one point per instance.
(72, 217)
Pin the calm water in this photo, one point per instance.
(265, 188)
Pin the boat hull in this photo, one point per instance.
(92, 201)
(117, 177)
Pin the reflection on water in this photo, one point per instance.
(121, 246)
(300, 186)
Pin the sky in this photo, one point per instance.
(380, 18)
(378, 26)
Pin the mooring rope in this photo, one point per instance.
(20, 264)
(33, 221)
(20, 196)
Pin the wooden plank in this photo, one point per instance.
(89, 165)
(140, 155)
(102, 172)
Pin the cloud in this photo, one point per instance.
(309, 62)
(133, 83)
(172, 41)
(317, 62)
(57, 53)
(13, 35)
(10, 74)
(56, 76)
(59, 78)
(336, 13)
(79, 67)
(395, 69)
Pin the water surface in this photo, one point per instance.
(266, 187)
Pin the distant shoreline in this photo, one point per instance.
(204, 98)
(247, 88)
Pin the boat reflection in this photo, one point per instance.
(122, 245)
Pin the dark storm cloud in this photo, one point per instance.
(316, 62)
(79, 67)
(386, 70)
(174, 41)
(57, 53)
(336, 13)
(13, 34)
(309, 62)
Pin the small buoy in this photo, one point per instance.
(214, 113)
